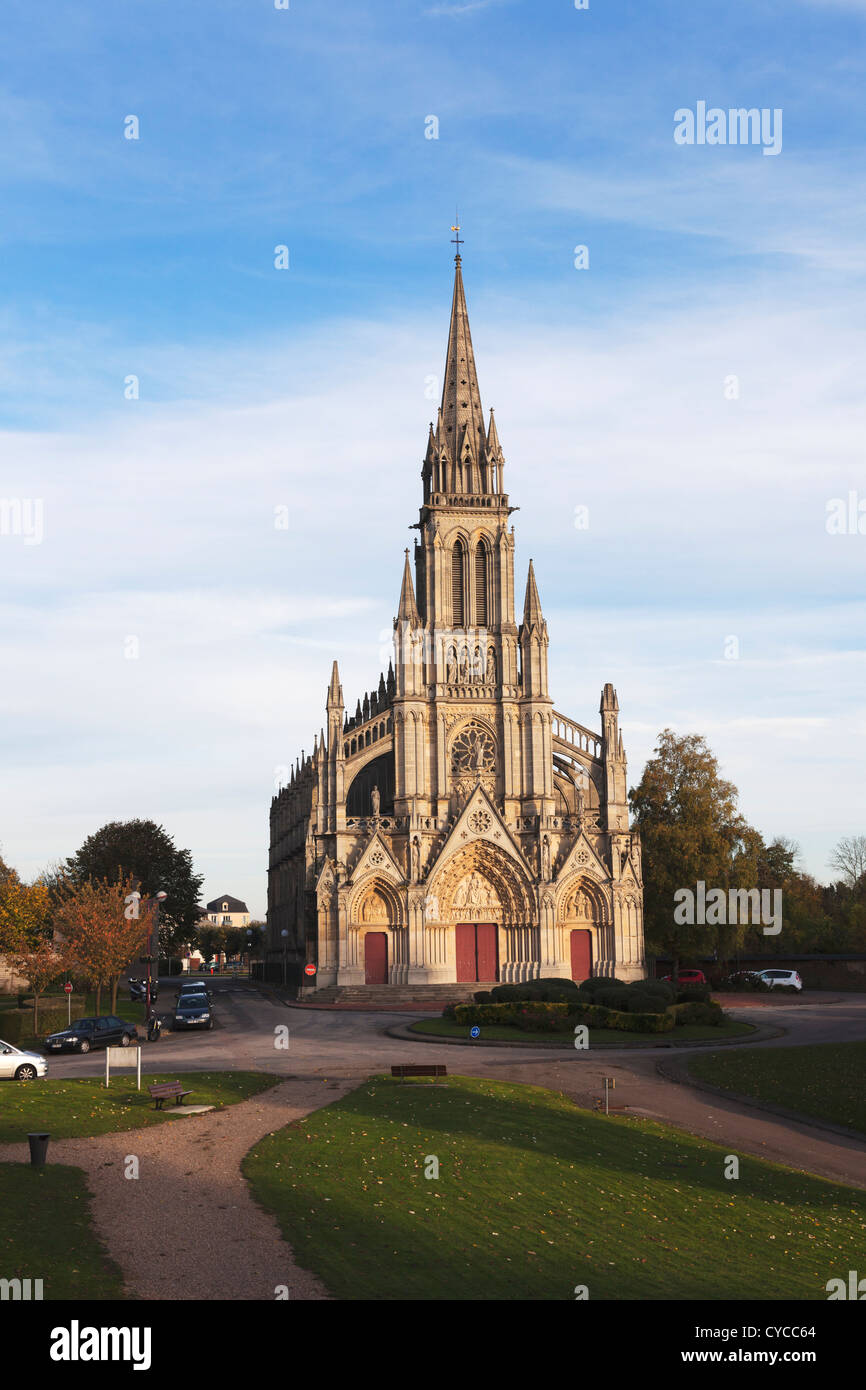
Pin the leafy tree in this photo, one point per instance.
(100, 940)
(144, 851)
(691, 830)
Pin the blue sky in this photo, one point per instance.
(310, 387)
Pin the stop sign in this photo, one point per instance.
(68, 987)
(309, 970)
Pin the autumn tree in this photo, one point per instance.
(100, 938)
(25, 913)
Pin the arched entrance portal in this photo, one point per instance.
(375, 958)
(485, 894)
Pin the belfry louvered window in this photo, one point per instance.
(458, 606)
(481, 587)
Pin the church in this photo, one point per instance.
(456, 829)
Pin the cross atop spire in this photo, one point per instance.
(457, 241)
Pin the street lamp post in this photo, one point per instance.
(285, 935)
(152, 906)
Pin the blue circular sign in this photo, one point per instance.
(475, 1032)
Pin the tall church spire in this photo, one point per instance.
(462, 415)
(532, 615)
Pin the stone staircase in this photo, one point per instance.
(398, 994)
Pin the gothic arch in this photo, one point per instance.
(511, 900)
(376, 904)
(581, 899)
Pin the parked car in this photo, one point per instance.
(775, 978)
(23, 1066)
(192, 1011)
(85, 1033)
(194, 987)
(689, 977)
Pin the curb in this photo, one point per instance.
(406, 1034)
(676, 1070)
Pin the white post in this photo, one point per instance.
(106, 1067)
(138, 1068)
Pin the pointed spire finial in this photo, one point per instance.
(532, 614)
(408, 609)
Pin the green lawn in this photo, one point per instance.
(46, 1233)
(498, 1032)
(826, 1080)
(81, 1107)
(630, 1208)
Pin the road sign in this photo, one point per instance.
(309, 970)
(68, 987)
(475, 1032)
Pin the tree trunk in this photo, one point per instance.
(98, 995)
(35, 1014)
(114, 983)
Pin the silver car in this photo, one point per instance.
(775, 978)
(23, 1066)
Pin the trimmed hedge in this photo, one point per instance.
(697, 1012)
(553, 1017)
(16, 1024)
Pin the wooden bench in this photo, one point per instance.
(164, 1090)
(405, 1069)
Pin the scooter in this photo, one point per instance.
(154, 1028)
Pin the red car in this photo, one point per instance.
(689, 977)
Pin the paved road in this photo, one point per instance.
(336, 1046)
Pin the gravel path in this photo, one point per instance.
(188, 1228)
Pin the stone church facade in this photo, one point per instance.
(456, 827)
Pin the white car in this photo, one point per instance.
(23, 1066)
(781, 977)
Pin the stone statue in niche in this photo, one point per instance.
(375, 800)
(452, 666)
(415, 858)
(545, 858)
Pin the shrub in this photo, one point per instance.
(591, 986)
(663, 988)
(744, 980)
(694, 994)
(696, 1012)
(541, 1018)
(552, 991)
(612, 997)
(593, 1015)
(641, 1023)
(449, 1011)
(646, 1001)
(483, 997)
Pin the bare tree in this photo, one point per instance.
(849, 858)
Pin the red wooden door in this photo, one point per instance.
(376, 958)
(464, 945)
(581, 955)
(487, 953)
(476, 951)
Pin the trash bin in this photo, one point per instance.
(38, 1149)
